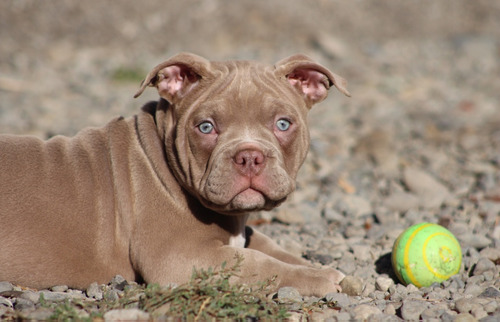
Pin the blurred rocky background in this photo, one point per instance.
(418, 141)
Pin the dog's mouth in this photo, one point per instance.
(244, 197)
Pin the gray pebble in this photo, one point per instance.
(473, 290)
(402, 201)
(5, 302)
(6, 286)
(24, 305)
(430, 191)
(383, 283)
(288, 295)
(111, 295)
(59, 288)
(31, 296)
(362, 252)
(340, 299)
(412, 309)
(126, 315)
(55, 296)
(483, 265)
(352, 285)
(94, 291)
(40, 314)
(490, 292)
(474, 240)
(364, 311)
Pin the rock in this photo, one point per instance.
(483, 265)
(493, 254)
(490, 292)
(111, 295)
(362, 252)
(94, 291)
(55, 296)
(6, 286)
(59, 288)
(464, 317)
(126, 315)
(412, 309)
(473, 290)
(288, 295)
(31, 296)
(5, 302)
(402, 201)
(352, 285)
(118, 283)
(430, 191)
(40, 314)
(474, 240)
(382, 283)
(340, 299)
(353, 206)
(24, 305)
(364, 311)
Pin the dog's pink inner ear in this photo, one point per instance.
(313, 84)
(176, 81)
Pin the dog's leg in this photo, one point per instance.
(260, 242)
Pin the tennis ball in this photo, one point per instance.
(426, 253)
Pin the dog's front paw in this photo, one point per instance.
(335, 277)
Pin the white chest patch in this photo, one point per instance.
(237, 241)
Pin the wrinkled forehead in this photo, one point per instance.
(248, 87)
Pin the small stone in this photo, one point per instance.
(412, 309)
(6, 286)
(362, 252)
(493, 254)
(430, 191)
(483, 265)
(24, 305)
(40, 314)
(340, 299)
(353, 206)
(60, 288)
(5, 302)
(390, 309)
(55, 296)
(473, 290)
(94, 291)
(402, 201)
(464, 317)
(126, 315)
(364, 311)
(474, 240)
(478, 312)
(118, 283)
(31, 296)
(383, 283)
(490, 292)
(288, 295)
(352, 285)
(111, 295)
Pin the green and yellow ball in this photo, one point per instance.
(426, 253)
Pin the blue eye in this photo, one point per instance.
(283, 125)
(206, 127)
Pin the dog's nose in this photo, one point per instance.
(249, 162)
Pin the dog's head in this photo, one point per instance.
(235, 132)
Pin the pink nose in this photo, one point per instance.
(249, 162)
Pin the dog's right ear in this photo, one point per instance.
(176, 77)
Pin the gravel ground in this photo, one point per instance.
(418, 141)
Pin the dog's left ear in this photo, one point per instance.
(310, 78)
(176, 77)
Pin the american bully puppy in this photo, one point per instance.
(169, 189)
